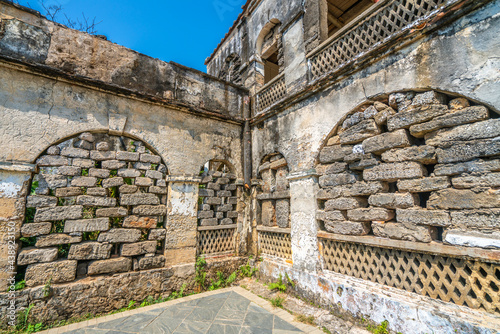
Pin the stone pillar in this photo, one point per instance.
(182, 220)
(305, 251)
(14, 181)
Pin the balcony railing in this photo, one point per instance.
(271, 93)
(378, 25)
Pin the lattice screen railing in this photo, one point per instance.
(271, 94)
(216, 241)
(276, 244)
(376, 28)
(464, 282)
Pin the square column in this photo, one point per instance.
(305, 251)
(182, 219)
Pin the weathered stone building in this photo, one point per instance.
(353, 145)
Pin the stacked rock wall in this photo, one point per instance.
(417, 167)
(274, 197)
(218, 196)
(97, 206)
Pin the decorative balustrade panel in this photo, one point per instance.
(272, 94)
(464, 282)
(276, 244)
(212, 242)
(378, 27)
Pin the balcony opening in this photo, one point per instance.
(271, 67)
(341, 12)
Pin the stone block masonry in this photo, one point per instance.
(435, 170)
(79, 213)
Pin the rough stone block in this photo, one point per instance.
(129, 172)
(120, 235)
(102, 146)
(102, 155)
(370, 214)
(476, 219)
(38, 201)
(337, 167)
(53, 150)
(139, 199)
(56, 240)
(127, 156)
(212, 200)
(224, 193)
(142, 166)
(157, 234)
(460, 152)
(86, 225)
(334, 153)
(150, 210)
(112, 212)
(464, 116)
(332, 180)
(282, 213)
(151, 262)
(144, 182)
(394, 200)
(480, 130)
(386, 141)
(83, 144)
(154, 175)
(113, 164)
(70, 171)
(357, 156)
(401, 101)
(383, 114)
(209, 222)
(35, 229)
(86, 200)
(392, 172)
(219, 215)
(230, 187)
(426, 184)
(473, 181)
(472, 239)
(58, 213)
(57, 272)
(424, 154)
(31, 255)
(158, 190)
(363, 164)
(459, 103)
(225, 207)
(423, 217)
(100, 173)
(118, 265)
(464, 199)
(232, 214)
(52, 181)
(335, 215)
(52, 161)
(87, 136)
(112, 182)
(205, 214)
(154, 159)
(97, 192)
(363, 188)
(347, 227)
(206, 193)
(479, 166)
(73, 152)
(84, 181)
(418, 115)
(408, 232)
(232, 200)
(213, 186)
(69, 191)
(430, 97)
(139, 248)
(83, 163)
(345, 203)
(140, 222)
(359, 132)
(335, 140)
(226, 221)
(268, 216)
(90, 251)
(128, 189)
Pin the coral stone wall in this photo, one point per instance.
(417, 167)
(97, 206)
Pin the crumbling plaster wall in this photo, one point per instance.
(460, 59)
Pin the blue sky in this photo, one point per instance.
(185, 31)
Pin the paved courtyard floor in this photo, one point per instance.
(233, 310)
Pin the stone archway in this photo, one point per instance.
(97, 206)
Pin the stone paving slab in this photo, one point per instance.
(227, 311)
